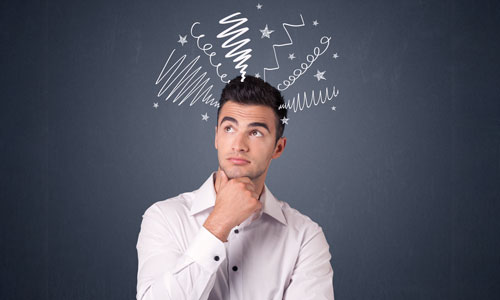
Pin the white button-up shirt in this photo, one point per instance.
(276, 253)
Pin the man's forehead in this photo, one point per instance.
(247, 113)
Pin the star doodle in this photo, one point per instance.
(259, 6)
(335, 55)
(334, 108)
(284, 120)
(205, 117)
(315, 23)
(155, 105)
(291, 56)
(257, 75)
(182, 39)
(320, 75)
(266, 32)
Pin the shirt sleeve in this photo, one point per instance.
(165, 271)
(312, 277)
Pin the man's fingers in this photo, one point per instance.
(222, 178)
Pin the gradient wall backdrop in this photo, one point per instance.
(403, 176)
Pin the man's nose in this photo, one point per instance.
(240, 143)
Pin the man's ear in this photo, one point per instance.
(215, 142)
(280, 146)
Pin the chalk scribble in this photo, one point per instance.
(184, 85)
(283, 45)
(206, 47)
(299, 104)
(233, 33)
(304, 66)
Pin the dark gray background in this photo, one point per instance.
(403, 177)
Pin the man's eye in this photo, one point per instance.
(228, 129)
(256, 133)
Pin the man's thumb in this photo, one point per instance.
(223, 177)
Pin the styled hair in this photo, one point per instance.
(255, 91)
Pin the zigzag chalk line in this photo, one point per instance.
(282, 45)
(243, 55)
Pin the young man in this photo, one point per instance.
(231, 238)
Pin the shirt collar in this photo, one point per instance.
(204, 198)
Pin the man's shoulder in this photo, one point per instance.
(298, 221)
(178, 205)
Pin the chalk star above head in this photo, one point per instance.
(257, 75)
(291, 56)
(315, 23)
(182, 39)
(205, 117)
(266, 32)
(320, 75)
(259, 6)
(155, 105)
(334, 108)
(284, 120)
(335, 55)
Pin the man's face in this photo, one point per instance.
(246, 140)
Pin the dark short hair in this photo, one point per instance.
(255, 91)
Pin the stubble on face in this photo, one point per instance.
(259, 155)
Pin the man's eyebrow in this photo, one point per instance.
(253, 124)
(230, 119)
(259, 124)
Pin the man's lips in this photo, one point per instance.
(238, 160)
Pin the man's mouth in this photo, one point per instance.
(238, 161)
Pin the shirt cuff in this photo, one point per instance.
(207, 250)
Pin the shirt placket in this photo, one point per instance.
(235, 263)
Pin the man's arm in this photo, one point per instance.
(312, 277)
(165, 272)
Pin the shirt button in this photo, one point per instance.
(236, 231)
(235, 268)
(216, 258)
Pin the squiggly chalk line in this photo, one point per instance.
(205, 48)
(282, 45)
(243, 55)
(298, 104)
(304, 66)
(186, 83)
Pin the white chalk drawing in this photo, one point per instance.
(206, 47)
(299, 104)
(182, 40)
(304, 66)
(285, 25)
(266, 32)
(320, 75)
(233, 33)
(181, 80)
(184, 85)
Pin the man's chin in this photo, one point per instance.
(236, 172)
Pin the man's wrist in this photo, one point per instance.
(219, 230)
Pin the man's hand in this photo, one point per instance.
(236, 200)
